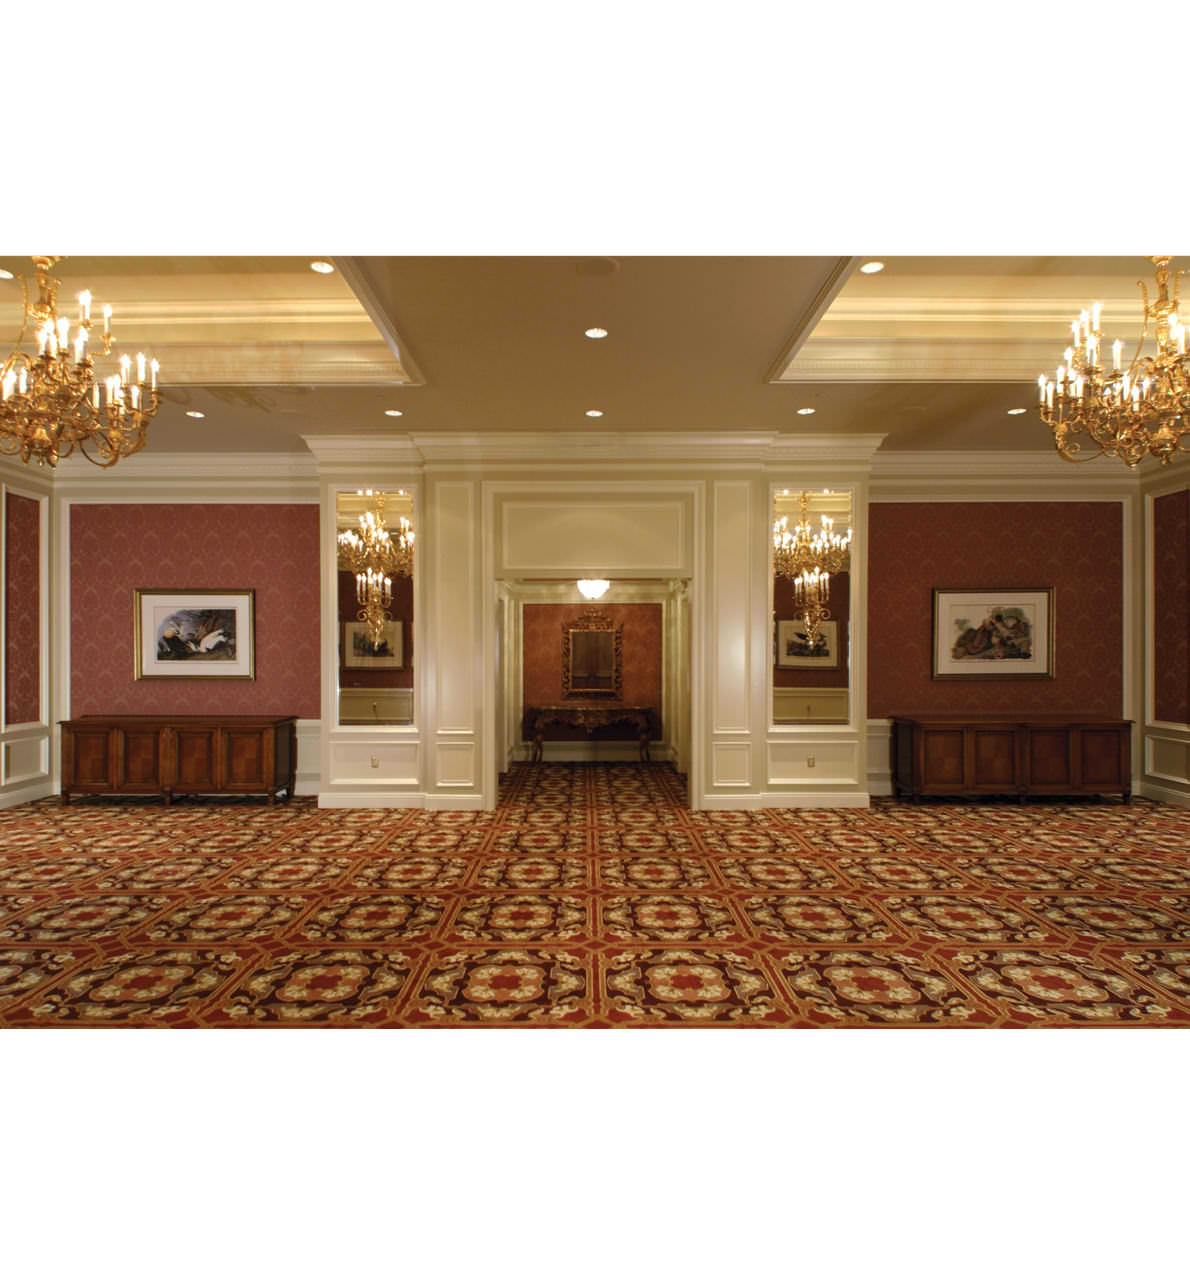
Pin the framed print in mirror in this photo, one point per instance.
(360, 652)
(794, 650)
(194, 633)
(993, 633)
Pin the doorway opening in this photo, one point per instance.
(604, 681)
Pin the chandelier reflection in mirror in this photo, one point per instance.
(809, 558)
(1144, 410)
(375, 554)
(51, 404)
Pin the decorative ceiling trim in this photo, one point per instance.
(814, 313)
(297, 362)
(934, 360)
(542, 449)
(356, 276)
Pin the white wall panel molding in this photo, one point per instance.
(730, 536)
(227, 478)
(731, 766)
(309, 748)
(1165, 768)
(455, 653)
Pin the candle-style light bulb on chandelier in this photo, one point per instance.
(1143, 410)
(809, 558)
(375, 554)
(51, 404)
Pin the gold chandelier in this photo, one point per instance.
(376, 554)
(1127, 413)
(51, 404)
(809, 558)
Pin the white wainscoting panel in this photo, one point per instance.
(456, 764)
(616, 535)
(378, 763)
(813, 763)
(731, 765)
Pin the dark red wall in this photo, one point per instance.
(22, 603)
(1077, 548)
(272, 548)
(542, 625)
(402, 610)
(840, 608)
(1171, 607)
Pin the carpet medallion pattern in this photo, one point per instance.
(591, 897)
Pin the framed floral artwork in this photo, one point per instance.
(194, 633)
(993, 633)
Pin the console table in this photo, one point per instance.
(587, 718)
(172, 755)
(1005, 755)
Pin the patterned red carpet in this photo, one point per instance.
(592, 897)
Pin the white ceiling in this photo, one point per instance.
(932, 351)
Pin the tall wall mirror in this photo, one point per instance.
(811, 605)
(375, 549)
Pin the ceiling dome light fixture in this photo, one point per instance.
(395, 414)
(1144, 410)
(592, 589)
(321, 265)
(50, 404)
(806, 410)
(195, 414)
(594, 414)
(1016, 410)
(596, 332)
(5, 274)
(872, 265)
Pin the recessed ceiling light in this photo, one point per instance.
(195, 414)
(872, 265)
(321, 265)
(1018, 410)
(806, 410)
(5, 274)
(396, 414)
(594, 414)
(596, 332)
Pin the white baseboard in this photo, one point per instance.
(309, 748)
(13, 796)
(429, 802)
(752, 802)
(1159, 793)
(592, 751)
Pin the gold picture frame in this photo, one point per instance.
(180, 634)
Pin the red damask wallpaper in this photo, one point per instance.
(272, 548)
(641, 640)
(1077, 548)
(840, 608)
(402, 610)
(22, 581)
(1171, 607)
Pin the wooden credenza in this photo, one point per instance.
(1002, 755)
(585, 719)
(171, 756)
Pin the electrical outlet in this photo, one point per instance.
(375, 761)
(810, 761)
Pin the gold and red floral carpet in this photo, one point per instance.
(592, 897)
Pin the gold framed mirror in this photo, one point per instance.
(591, 657)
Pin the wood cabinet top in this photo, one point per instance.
(178, 720)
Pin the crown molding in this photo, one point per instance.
(544, 449)
(934, 475)
(825, 299)
(186, 477)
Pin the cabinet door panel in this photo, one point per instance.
(244, 753)
(91, 758)
(942, 758)
(197, 766)
(1050, 759)
(1101, 758)
(142, 766)
(994, 758)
